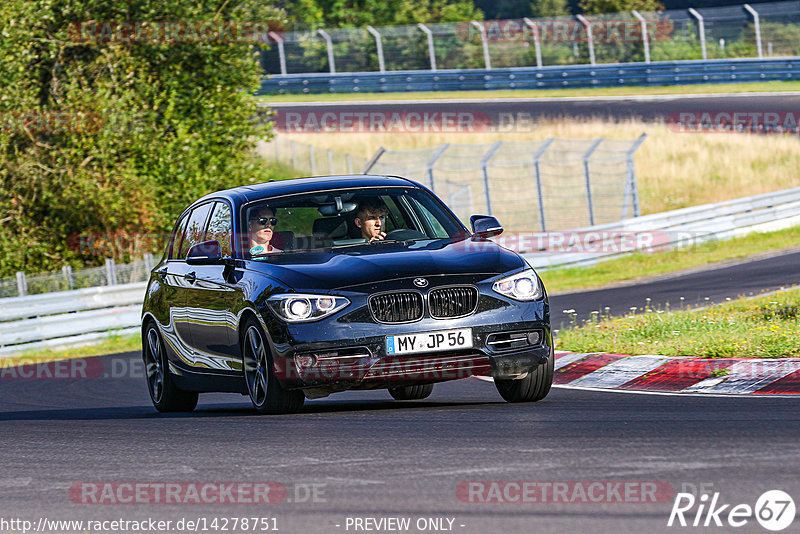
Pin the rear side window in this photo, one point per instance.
(175, 245)
(220, 227)
(194, 232)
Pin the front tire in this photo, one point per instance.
(266, 393)
(534, 387)
(166, 396)
(417, 392)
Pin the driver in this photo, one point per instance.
(371, 220)
(261, 226)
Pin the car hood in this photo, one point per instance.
(354, 266)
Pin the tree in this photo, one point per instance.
(550, 8)
(359, 13)
(619, 6)
(100, 135)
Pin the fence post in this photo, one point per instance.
(379, 46)
(431, 50)
(22, 284)
(294, 153)
(329, 44)
(588, 180)
(631, 180)
(148, 262)
(645, 37)
(757, 24)
(484, 44)
(702, 28)
(373, 160)
(281, 53)
(330, 161)
(312, 160)
(537, 43)
(484, 167)
(66, 270)
(589, 38)
(431, 162)
(536, 157)
(349, 163)
(111, 272)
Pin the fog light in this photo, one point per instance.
(304, 361)
(533, 338)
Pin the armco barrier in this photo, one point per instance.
(687, 226)
(555, 77)
(69, 317)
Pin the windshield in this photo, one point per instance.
(345, 218)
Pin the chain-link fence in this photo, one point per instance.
(310, 159)
(551, 184)
(67, 278)
(739, 31)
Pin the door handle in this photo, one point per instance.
(191, 276)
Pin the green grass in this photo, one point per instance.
(640, 265)
(112, 345)
(762, 327)
(754, 87)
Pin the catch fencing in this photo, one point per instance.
(761, 30)
(111, 274)
(544, 185)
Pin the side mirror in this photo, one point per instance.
(485, 226)
(205, 253)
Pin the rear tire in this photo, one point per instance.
(166, 396)
(534, 387)
(266, 393)
(417, 392)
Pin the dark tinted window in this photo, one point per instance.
(220, 227)
(195, 230)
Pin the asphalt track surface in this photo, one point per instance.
(646, 108)
(700, 288)
(373, 457)
(369, 456)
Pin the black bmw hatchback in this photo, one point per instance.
(301, 288)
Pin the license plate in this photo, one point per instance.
(429, 341)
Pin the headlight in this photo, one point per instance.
(299, 308)
(520, 286)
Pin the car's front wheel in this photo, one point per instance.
(265, 391)
(411, 392)
(533, 387)
(166, 396)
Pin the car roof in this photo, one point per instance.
(248, 193)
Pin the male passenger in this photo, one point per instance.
(371, 220)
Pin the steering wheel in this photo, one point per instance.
(405, 234)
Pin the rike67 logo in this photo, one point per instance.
(774, 510)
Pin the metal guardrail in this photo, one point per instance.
(677, 228)
(555, 77)
(68, 318)
(83, 316)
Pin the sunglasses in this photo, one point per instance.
(263, 221)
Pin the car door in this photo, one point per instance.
(211, 298)
(181, 278)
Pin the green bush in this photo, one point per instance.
(153, 125)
